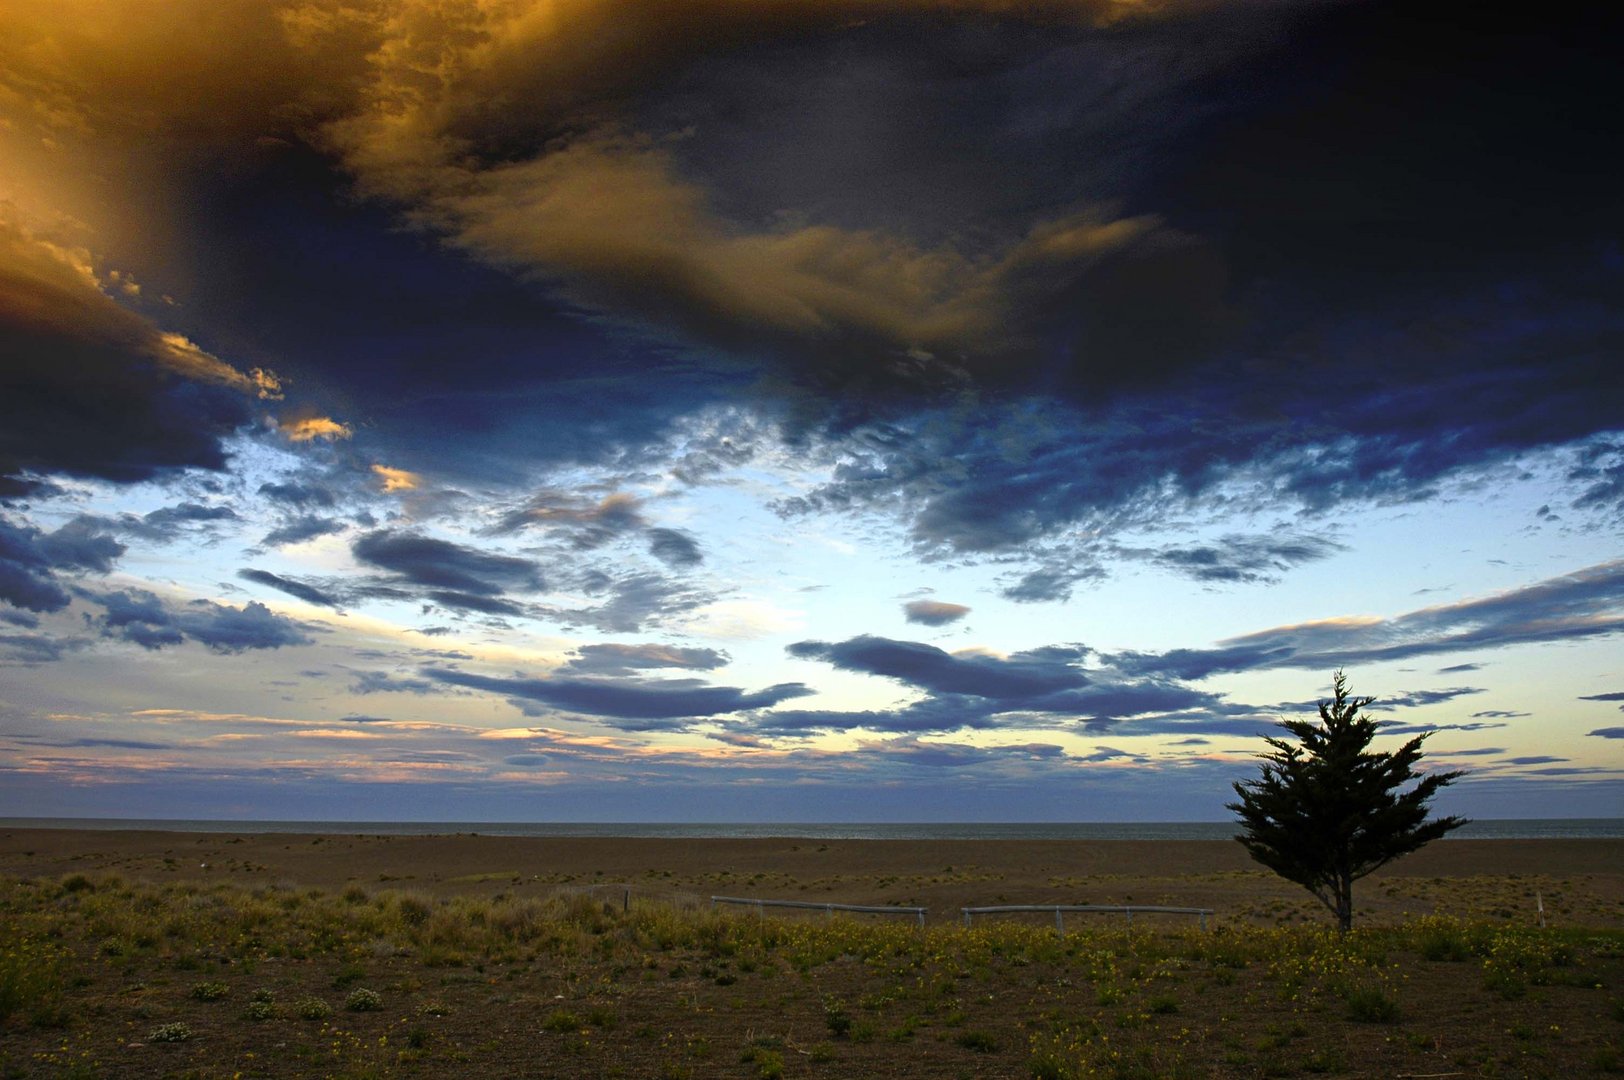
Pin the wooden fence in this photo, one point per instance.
(827, 909)
(1059, 909)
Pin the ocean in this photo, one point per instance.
(1493, 829)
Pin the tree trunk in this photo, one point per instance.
(1344, 903)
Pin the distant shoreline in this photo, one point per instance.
(1481, 829)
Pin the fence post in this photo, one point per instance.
(1203, 920)
(967, 918)
(626, 901)
(1129, 910)
(1059, 923)
(921, 915)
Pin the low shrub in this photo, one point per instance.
(363, 1000)
(1371, 1005)
(313, 1008)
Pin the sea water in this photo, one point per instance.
(1492, 829)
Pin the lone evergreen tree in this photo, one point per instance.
(1327, 810)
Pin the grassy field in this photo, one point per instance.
(102, 976)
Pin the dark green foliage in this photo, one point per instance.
(1327, 810)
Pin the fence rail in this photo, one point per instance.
(1059, 918)
(827, 909)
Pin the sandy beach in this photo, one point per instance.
(1576, 880)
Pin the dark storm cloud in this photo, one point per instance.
(1616, 696)
(1196, 664)
(141, 617)
(1600, 469)
(1412, 698)
(585, 524)
(80, 545)
(1277, 242)
(300, 529)
(30, 649)
(484, 605)
(1241, 559)
(933, 612)
(1608, 733)
(85, 743)
(442, 565)
(675, 548)
(1585, 603)
(1049, 584)
(163, 525)
(310, 594)
(1421, 729)
(1432, 374)
(612, 658)
(588, 523)
(81, 410)
(940, 712)
(89, 388)
(634, 703)
(911, 751)
(1041, 687)
(632, 601)
(383, 682)
(170, 519)
(1020, 677)
(30, 561)
(297, 493)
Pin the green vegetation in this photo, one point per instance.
(571, 987)
(1327, 810)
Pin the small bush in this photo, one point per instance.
(562, 1021)
(1371, 1005)
(210, 991)
(769, 1063)
(836, 1018)
(1443, 941)
(979, 1041)
(29, 975)
(313, 1008)
(176, 1032)
(259, 1011)
(1162, 1004)
(363, 1000)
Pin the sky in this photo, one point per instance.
(816, 410)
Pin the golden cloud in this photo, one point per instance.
(604, 215)
(424, 102)
(51, 288)
(397, 479)
(311, 428)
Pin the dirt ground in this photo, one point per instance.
(1578, 881)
